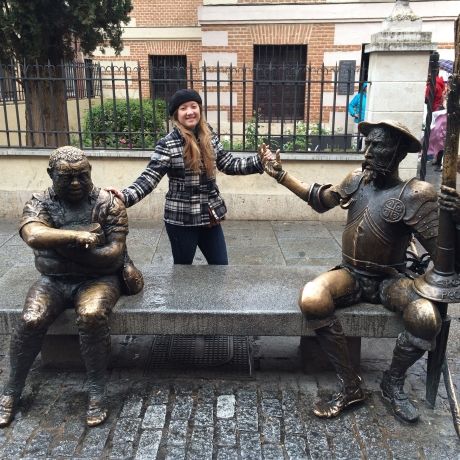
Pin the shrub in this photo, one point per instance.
(112, 124)
(299, 141)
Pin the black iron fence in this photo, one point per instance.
(295, 108)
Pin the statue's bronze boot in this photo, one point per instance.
(7, 408)
(333, 342)
(97, 412)
(339, 401)
(404, 355)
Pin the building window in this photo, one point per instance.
(279, 81)
(167, 75)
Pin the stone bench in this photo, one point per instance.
(207, 300)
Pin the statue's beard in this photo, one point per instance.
(374, 173)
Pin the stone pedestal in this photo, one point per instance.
(398, 69)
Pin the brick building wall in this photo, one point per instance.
(174, 28)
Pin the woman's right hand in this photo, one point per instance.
(116, 192)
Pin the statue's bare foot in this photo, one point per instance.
(7, 407)
(97, 412)
(338, 402)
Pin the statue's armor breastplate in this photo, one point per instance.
(375, 238)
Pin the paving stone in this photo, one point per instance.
(374, 444)
(272, 452)
(271, 408)
(182, 407)
(205, 393)
(227, 453)
(13, 449)
(317, 442)
(269, 390)
(225, 406)
(201, 444)
(404, 449)
(342, 433)
(177, 433)
(290, 399)
(184, 388)
(38, 445)
(248, 418)
(247, 397)
(149, 443)
(293, 423)
(159, 394)
(65, 448)
(441, 451)
(271, 430)
(250, 448)
(23, 428)
(74, 428)
(94, 441)
(295, 447)
(225, 432)
(124, 436)
(175, 453)
(132, 407)
(154, 417)
(204, 414)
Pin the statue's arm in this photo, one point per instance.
(39, 236)
(110, 254)
(320, 197)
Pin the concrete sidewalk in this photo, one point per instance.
(222, 412)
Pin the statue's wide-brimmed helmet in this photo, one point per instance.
(413, 144)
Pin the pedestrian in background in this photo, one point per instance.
(357, 109)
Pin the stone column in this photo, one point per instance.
(398, 70)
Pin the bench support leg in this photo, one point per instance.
(62, 351)
(435, 362)
(314, 358)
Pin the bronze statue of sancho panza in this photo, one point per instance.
(78, 235)
(383, 213)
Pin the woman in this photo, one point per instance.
(189, 155)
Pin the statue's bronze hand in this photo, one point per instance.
(449, 200)
(88, 240)
(271, 162)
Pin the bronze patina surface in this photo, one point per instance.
(384, 212)
(78, 234)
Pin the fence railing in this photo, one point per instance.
(294, 108)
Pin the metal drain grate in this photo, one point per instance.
(189, 351)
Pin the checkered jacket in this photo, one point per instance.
(192, 197)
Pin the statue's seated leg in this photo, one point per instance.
(43, 304)
(422, 324)
(318, 300)
(94, 302)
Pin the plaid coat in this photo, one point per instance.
(192, 196)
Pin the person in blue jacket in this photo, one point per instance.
(357, 109)
(357, 106)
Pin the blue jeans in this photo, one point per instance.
(185, 240)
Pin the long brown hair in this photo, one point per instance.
(201, 152)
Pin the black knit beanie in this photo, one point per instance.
(180, 97)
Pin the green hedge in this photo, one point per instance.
(112, 124)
